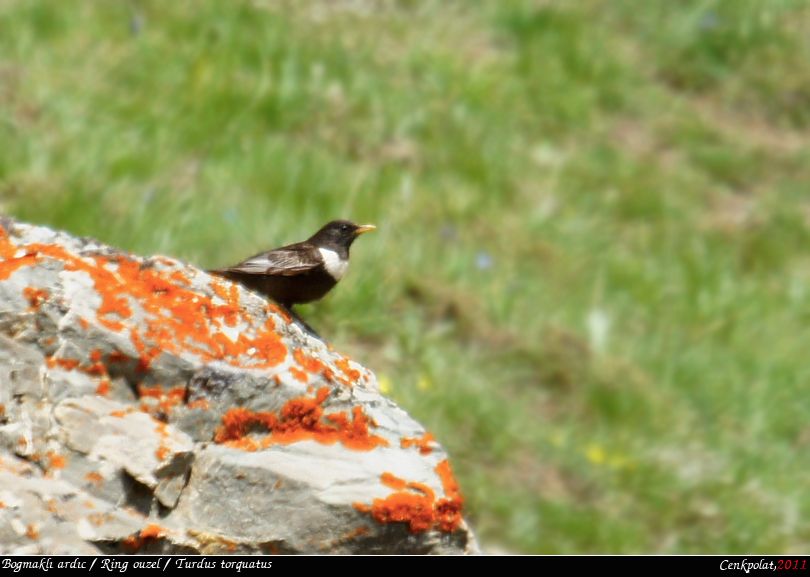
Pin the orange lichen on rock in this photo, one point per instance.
(175, 395)
(351, 375)
(179, 278)
(94, 477)
(66, 364)
(299, 375)
(35, 296)
(147, 534)
(411, 503)
(94, 368)
(300, 419)
(392, 481)
(56, 461)
(10, 260)
(201, 404)
(230, 310)
(162, 429)
(117, 357)
(245, 444)
(448, 510)
(308, 362)
(423, 443)
(147, 391)
(416, 503)
(238, 422)
(162, 452)
(343, 364)
(230, 545)
(97, 519)
(152, 532)
(165, 400)
(103, 388)
(274, 308)
(32, 532)
(176, 318)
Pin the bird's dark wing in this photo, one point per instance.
(289, 260)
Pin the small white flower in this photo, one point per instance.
(598, 329)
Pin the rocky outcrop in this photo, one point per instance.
(146, 406)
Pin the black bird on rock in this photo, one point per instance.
(302, 272)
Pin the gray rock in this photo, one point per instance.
(146, 406)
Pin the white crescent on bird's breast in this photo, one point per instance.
(334, 265)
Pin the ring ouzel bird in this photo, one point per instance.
(302, 272)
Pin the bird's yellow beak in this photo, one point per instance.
(364, 228)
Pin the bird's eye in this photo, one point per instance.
(344, 227)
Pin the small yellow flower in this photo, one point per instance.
(385, 384)
(595, 454)
(424, 383)
(599, 456)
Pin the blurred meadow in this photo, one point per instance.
(590, 278)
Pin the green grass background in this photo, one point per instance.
(590, 278)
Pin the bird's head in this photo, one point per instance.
(339, 233)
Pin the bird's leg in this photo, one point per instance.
(289, 310)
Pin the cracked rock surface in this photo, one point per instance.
(147, 407)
